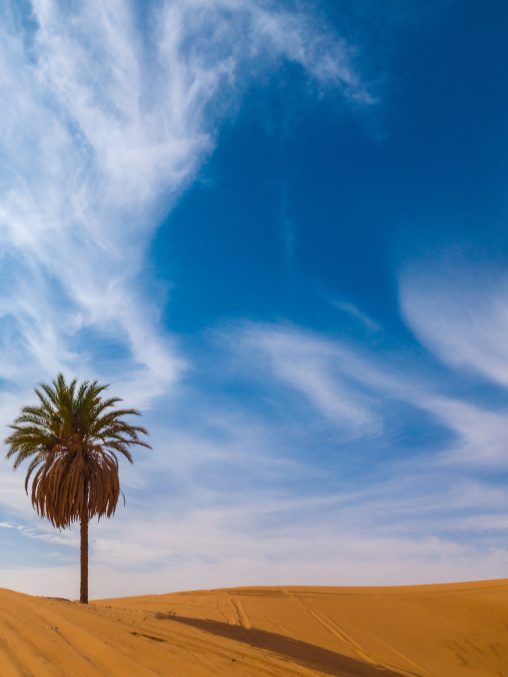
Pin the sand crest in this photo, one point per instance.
(440, 630)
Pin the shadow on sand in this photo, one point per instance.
(307, 655)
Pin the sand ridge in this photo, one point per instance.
(413, 631)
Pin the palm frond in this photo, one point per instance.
(71, 439)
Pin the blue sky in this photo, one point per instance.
(279, 230)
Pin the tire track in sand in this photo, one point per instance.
(243, 619)
(334, 628)
(337, 631)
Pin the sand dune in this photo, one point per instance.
(440, 630)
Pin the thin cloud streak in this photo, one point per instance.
(481, 434)
(351, 309)
(461, 313)
(323, 371)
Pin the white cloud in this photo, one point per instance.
(377, 536)
(107, 123)
(323, 371)
(481, 434)
(460, 312)
(347, 384)
(351, 309)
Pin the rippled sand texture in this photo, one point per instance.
(442, 630)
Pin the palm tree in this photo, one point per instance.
(72, 437)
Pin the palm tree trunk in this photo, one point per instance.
(83, 594)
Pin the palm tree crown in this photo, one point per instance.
(72, 438)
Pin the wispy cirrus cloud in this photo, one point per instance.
(351, 309)
(459, 311)
(343, 382)
(406, 530)
(112, 110)
(324, 372)
(480, 433)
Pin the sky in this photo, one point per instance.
(279, 230)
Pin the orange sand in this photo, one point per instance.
(439, 630)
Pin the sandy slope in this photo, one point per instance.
(444, 631)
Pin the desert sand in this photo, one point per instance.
(439, 630)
